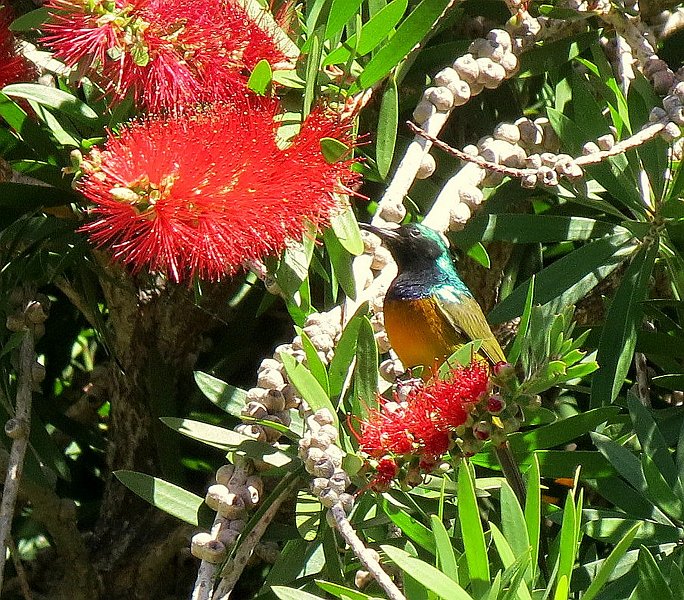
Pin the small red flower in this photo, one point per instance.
(203, 192)
(13, 66)
(166, 53)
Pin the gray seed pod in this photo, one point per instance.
(323, 468)
(671, 132)
(347, 501)
(467, 68)
(256, 432)
(510, 63)
(501, 37)
(328, 497)
(533, 161)
(548, 176)
(423, 111)
(492, 179)
(204, 547)
(471, 195)
(529, 181)
(270, 379)
(228, 536)
(318, 484)
(476, 88)
(441, 97)
(274, 401)
(390, 369)
(606, 142)
(657, 114)
(653, 65)
(323, 417)
(507, 132)
(663, 82)
(567, 167)
(381, 258)
(370, 241)
(383, 342)
(215, 495)
(224, 473)
(427, 164)
(491, 73)
(270, 364)
(459, 216)
(679, 91)
(255, 410)
(530, 133)
(590, 148)
(393, 213)
(471, 150)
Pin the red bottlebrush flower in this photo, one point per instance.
(202, 192)
(166, 53)
(13, 66)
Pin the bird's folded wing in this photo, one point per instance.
(465, 314)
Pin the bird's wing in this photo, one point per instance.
(465, 314)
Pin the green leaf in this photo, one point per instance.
(55, 99)
(366, 371)
(513, 521)
(227, 397)
(415, 530)
(307, 386)
(341, 262)
(446, 559)
(388, 119)
(523, 327)
(313, 60)
(345, 352)
(508, 559)
(260, 79)
(168, 497)
(339, 591)
(659, 491)
(375, 31)
(307, 515)
(346, 229)
(285, 593)
(314, 362)
(568, 539)
(609, 564)
(333, 150)
(569, 278)
(533, 513)
(652, 583)
(30, 21)
(341, 11)
(472, 532)
(411, 31)
(218, 437)
(434, 580)
(611, 530)
(618, 338)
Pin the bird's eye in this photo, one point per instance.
(414, 233)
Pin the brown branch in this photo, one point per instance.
(18, 429)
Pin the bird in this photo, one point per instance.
(430, 313)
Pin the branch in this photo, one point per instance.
(18, 429)
(364, 554)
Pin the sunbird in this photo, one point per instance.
(430, 313)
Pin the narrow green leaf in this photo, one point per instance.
(313, 60)
(218, 437)
(508, 559)
(388, 120)
(413, 529)
(53, 98)
(659, 491)
(411, 31)
(341, 11)
(616, 347)
(306, 385)
(431, 578)
(366, 371)
(651, 579)
(609, 564)
(446, 559)
(261, 78)
(612, 529)
(285, 593)
(30, 21)
(314, 363)
(341, 262)
(345, 353)
(227, 397)
(168, 497)
(346, 229)
(342, 592)
(533, 513)
(373, 33)
(472, 532)
(513, 521)
(307, 515)
(523, 328)
(562, 588)
(334, 150)
(568, 540)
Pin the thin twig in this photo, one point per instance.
(367, 559)
(249, 542)
(19, 568)
(22, 421)
(642, 136)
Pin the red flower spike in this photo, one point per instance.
(13, 66)
(203, 192)
(166, 53)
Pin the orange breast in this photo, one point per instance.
(419, 333)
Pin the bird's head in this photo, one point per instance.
(412, 245)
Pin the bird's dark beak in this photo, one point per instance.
(386, 235)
